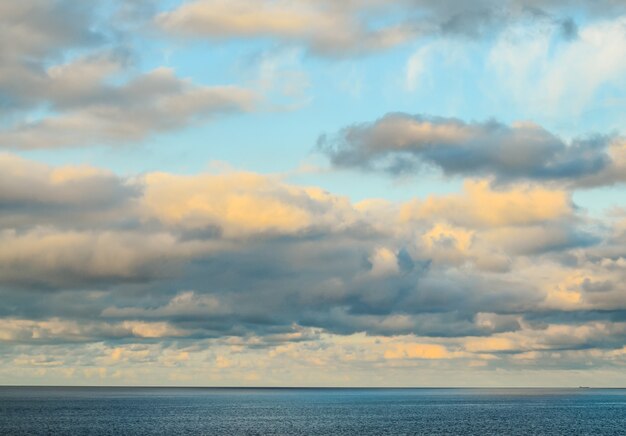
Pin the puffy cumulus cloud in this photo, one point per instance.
(480, 205)
(447, 244)
(615, 173)
(335, 29)
(46, 257)
(246, 273)
(241, 204)
(70, 225)
(32, 193)
(539, 239)
(399, 143)
(384, 262)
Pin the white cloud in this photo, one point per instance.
(550, 76)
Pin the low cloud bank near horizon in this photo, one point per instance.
(492, 276)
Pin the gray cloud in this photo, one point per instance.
(76, 65)
(350, 28)
(36, 32)
(163, 269)
(153, 102)
(36, 194)
(400, 143)
(38, 27)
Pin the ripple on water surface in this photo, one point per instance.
(172, 411)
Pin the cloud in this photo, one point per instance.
(326, 28)
(399, 143)
(38, 26)
(49, 331)
(34, 33)
(482, 206)
(234, 266)
(186, 305)
(46, 257)
(242, 204)
(332, 29)
(418, 351)
(524, 71)
(240, 277)
(29, 188)
(69, 77)
(534, 68)
(155, 102)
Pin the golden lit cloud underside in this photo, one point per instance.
(239, 278)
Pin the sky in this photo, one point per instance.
(313, 192)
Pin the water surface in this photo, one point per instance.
(213, 411)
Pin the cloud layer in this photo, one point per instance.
(155, 272)
(496, 276)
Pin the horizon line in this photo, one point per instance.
(306, 387)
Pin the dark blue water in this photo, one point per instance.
(174, 411)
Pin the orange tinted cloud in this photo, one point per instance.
(240, 204)
(418, 351)
(482, 206)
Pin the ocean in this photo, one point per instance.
(234, 411)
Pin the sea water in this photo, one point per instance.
(225, 411)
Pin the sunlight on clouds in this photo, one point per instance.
(71, 174)
(240, 204)
(565, 295)
(481, 206)
(325, 28)
(47, 254)
(153, 329)
(481, 345)
(419, 351)
(123, 260)
(447, 243)
(384, 262)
